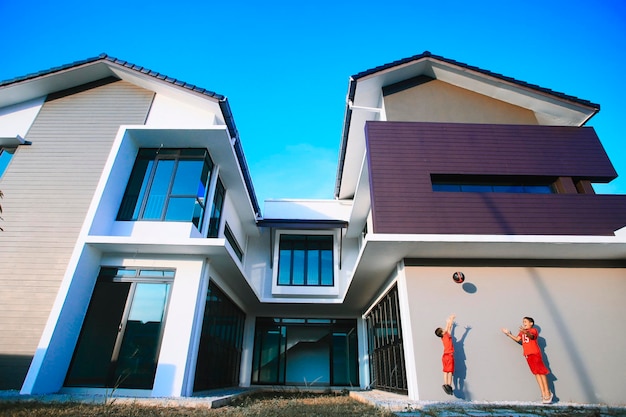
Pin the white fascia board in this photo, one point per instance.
(41, 86)
(501, 246)
(361, 203)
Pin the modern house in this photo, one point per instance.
(136, 256)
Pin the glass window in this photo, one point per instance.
(6, 154)
(167, 185)
(228, 234)
(302, 351)
(492, 184)
(119, 342)
(216, 212)
(306, 260)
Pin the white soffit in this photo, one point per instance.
(43, 85)
(168, 89)
(550, 108)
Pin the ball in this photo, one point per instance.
(458, 277)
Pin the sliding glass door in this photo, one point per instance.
(119, 342)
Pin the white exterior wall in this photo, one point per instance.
(577, 310)
(169, 112)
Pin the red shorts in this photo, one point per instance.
(535, 362)
(448, 362)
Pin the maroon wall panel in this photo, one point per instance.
(403, 155)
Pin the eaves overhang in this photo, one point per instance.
(380, 255)
(103, 66)
(13, 141)
(555, 107)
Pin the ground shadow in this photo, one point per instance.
(460, 368)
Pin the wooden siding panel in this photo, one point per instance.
(402, 157)
(48, 187)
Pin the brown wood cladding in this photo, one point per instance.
(403, 155)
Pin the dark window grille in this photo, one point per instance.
(221, 342)
(386, 351)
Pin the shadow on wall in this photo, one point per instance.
(551, 377)
(569, 340)
(460, 368)
(13, 369)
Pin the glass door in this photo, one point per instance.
(119, 343)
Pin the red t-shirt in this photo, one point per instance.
(530, 345)
(448, 347)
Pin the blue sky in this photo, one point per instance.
(284, 65)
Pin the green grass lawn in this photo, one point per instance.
(268, 404)
(288, 404)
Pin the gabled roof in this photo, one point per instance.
(365, 89)
(77, 73)
(427, 54)
(126, 64)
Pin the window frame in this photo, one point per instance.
(287, 290)
(152, 157)
(493, 184)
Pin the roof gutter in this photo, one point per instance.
(232, 129)
(344, 137)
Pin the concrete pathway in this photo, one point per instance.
(402, 406)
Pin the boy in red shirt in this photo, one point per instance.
(448, 354)
(528, 337)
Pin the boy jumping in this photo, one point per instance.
(448, 354)
(528, 337)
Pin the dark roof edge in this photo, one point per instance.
(222, 100)
(344, 135)
(122, 63)
(230, 124)
(427, 54)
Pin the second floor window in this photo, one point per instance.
(493, 184)
(306, 260)
(167, 185)
(216, 212)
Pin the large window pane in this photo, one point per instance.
(120, 338)
(187, 180)
(158, 190)
(137, 359)
(181, 209)
(167, 185)
(296, 351)
(306, 260)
